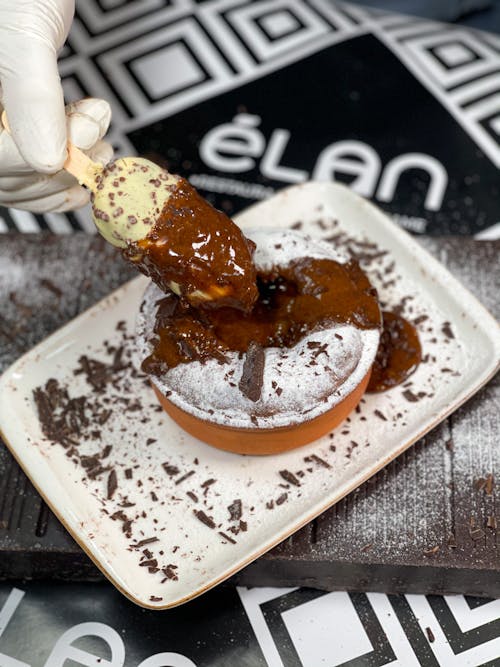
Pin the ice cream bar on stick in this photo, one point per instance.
(168, 230)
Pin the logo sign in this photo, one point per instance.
(351, 112)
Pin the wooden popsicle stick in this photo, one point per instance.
(82, 167)
(77, 163)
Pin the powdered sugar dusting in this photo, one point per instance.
(299, 384)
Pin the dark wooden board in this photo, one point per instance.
(410, 528)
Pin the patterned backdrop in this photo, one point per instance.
(185, 80)
(245, 98)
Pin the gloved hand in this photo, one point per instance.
(31, 33)
(22, 187)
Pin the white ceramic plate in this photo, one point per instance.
(161, 487)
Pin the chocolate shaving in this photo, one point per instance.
(112, 484)
(170, 573)
(61, 418)
(226, 537)
(430, 635)
(446, 329)
(142, 543)
(97, 373)
(126, 526)
(319, 348)
(318, 460)
(204, 518)
(89, 461)
(235, 510)
(106, 451)
(491, 522)
(289, 477)
(488, 488)
(171, 470)
(184, 477)
(193, 496)
(380, 415)
(281, 499)
(252, 376)
(103, 417)
(95, 472)
(151, 564)
(413, 398)
(48, 284)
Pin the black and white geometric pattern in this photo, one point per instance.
(308, 628)
(461, 67)
(156, 58)
(90, 624)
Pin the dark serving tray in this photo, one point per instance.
(426, 523)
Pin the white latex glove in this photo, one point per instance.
(31, 33)
(21, 187)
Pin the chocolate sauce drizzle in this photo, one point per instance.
(200, 250)
(307, 295)
(398, 355)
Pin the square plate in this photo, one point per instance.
(166, 517)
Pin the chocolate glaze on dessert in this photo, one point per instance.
(307, 294)
(200, 249)
(398, 355)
